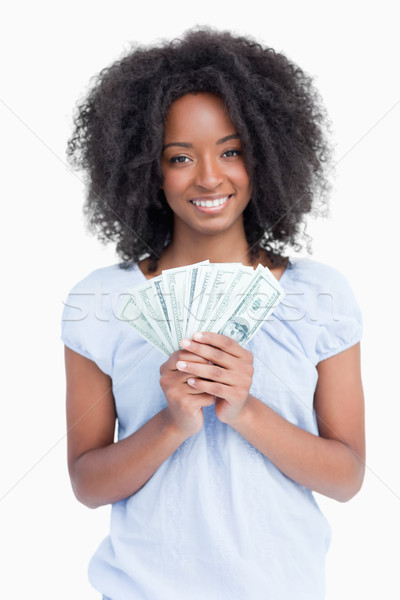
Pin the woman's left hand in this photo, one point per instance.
(227, 376)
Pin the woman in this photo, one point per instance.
(210, 147)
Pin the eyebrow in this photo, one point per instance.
(233, 136)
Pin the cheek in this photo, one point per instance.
(173, 183)
(241, 178)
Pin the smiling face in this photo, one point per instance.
(204, 177)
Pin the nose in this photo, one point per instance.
(209, 174)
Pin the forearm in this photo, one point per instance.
(108, 474)
(327, 466)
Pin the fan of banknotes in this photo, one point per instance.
(227, 298)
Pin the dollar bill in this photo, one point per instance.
(217, 284)
(195, 284)
(257, 303)
(133, 314)
(238, 283)
(174, 283)
(148, 300)
(194, 312)
(227, 298)
(156, 284)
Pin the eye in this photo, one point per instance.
(232, 153)
(179, 159)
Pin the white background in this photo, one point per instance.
(49, 51)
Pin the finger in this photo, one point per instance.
(190, 390)
(207, 353)
(198, 398)
(205, 371)
(191, 356)
(205, 399)
(187, 389)
(211, 388)
(218, 340)
(184, 355)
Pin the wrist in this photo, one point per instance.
(179, 429)
(237, 419)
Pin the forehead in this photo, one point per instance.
(194, 114)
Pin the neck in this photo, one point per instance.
(224, 247)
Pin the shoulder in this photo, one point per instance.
(314, 273)
(90, 322)
(320, 305)
(101, 291)
(317, 282)
(109, 279)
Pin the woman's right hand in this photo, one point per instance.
(184, 402)
(103, 471)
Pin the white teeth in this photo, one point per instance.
(209, 203)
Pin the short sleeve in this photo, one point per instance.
(85, 324)
(338, 316)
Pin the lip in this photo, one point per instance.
(211, 209)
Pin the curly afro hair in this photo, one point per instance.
(118, 140)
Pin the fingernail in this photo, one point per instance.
(181, 364)
(191, 381)
(197, 336)
(185, 343)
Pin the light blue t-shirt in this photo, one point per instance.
(217, 521)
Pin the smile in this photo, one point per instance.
(211, 203)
